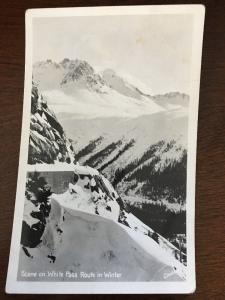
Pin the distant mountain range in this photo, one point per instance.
(122, 192)
(115, 125)
(73, 87)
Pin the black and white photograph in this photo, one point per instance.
(106, 184)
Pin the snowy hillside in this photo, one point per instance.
(48, 142)
(75, 81)
(136, 157)
(119, 129)
(122, 85)
(73, 85)
(87, 229)
(171, 100)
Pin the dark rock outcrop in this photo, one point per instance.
(48, 142)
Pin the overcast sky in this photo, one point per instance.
(156, 49)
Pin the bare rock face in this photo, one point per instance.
(48, 142)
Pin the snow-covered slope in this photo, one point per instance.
(159, 175)
(136, 140)
(83, 103)
(87, 229)
(173, 100)
(92, 193)
(73, 86)
(48, 142)
(90, 245)
(133, 153)
(145, 130)
(121, 85)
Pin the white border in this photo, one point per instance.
(14, 286)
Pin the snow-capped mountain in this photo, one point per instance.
(76, 74)
(73, 87)
(48, 142)
(87, 104)
(81, 75)
(86, 228)
(138, 141)
(122, 86)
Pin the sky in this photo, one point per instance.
(155, 49)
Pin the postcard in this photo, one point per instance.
(105, 197)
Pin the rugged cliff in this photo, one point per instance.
(48, 142)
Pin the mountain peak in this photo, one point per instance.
(119, 84)
(76, 70)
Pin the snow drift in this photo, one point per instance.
(88, 231)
